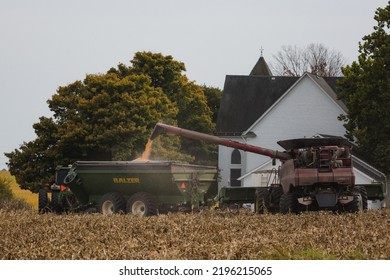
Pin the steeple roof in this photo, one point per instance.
(261, 68)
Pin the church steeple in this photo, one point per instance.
(261, 68)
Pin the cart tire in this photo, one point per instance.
(43, 202)
(111, 203)
(142, 204)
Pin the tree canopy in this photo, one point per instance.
(365, 90)
(110, 117)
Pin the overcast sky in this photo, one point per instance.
(46, 44)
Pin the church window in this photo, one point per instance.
(235, 168)
(236, 157)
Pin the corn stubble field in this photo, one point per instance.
(208, 235)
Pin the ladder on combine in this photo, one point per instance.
(325, 156)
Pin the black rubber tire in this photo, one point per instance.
(112, 203)
(363, 192)
(43, 202)
(274, 196)
(70, 203)
(55, 202)
(357, 204)
(289, 203)
(262, 200)
(142, 204)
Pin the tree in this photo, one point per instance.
(365, 90)
(213, 96)
(314, 58)
(194, 109)
(110, 117)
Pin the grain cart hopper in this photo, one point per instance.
(315, 173)
(142, 188)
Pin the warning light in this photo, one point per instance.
(183, 185)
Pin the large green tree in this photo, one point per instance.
(110, 117)
(197, 108)
(365, 90)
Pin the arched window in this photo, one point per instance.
(235, 168)
(236, 157)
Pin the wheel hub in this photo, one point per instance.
(108, 207)
(138, 208)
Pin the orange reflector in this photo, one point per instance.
(62, 188)
(183, 186)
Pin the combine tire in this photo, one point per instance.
(111, 203)
(43, 202)
(142, 205)
(363, 193)
(289, 203)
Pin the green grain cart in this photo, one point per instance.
(142, 188)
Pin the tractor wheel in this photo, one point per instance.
(43, 202)
(275, 195)
(363, 193)
(55, 203)
(262, 200)
(289, 203)
(70, 203)
(142, 204)
(111, 203)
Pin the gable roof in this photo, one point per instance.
(246, 98)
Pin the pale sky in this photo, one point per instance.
(46, 44)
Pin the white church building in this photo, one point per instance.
(261, 109)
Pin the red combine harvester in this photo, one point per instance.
(315, 173)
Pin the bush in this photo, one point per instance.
(5, 189)
(7, 200)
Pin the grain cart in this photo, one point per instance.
(142, 188)
(315, 173)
